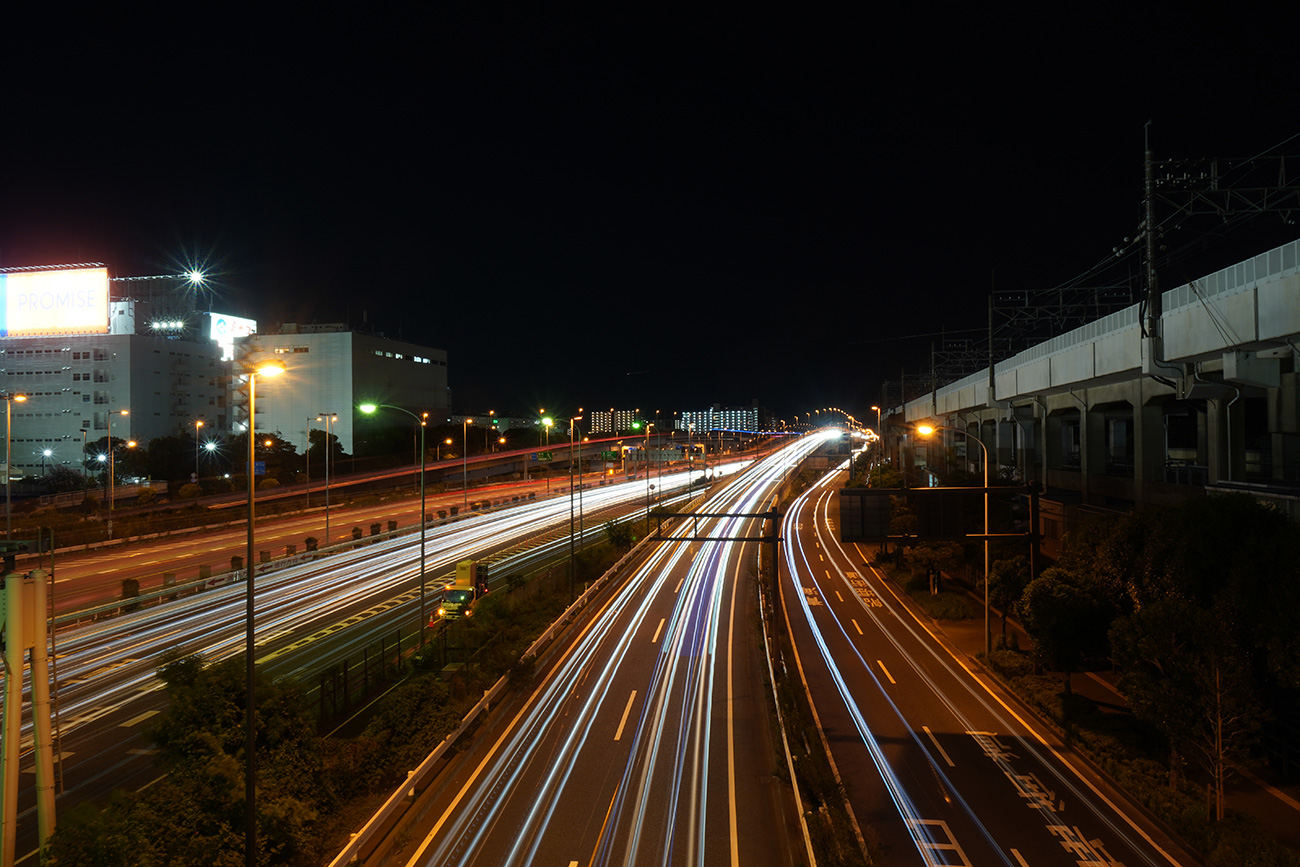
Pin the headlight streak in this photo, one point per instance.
(685, 665)
(287, 598)
(902, 803)
(965, 679)
(907, 809)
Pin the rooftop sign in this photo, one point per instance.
(39, 303)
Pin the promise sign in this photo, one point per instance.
(39, 303)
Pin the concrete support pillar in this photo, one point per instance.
(1092, 447)
(1226, 429)
(1006, 450)
(1149, 451)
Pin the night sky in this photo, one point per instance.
(631, 206)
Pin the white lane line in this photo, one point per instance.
(935, 741)
(679, 584)
(1023, 862)
(137, 720)
(881, 663)
(838, 596)
(655, 640)
(627, 710)
(856, 626)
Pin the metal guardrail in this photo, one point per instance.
(418, 779)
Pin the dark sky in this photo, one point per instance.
(640, 206)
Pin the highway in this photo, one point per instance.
(941, 766)
(648, 739)
(307, 615)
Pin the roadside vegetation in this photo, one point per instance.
(1195, 607)
(312, 790)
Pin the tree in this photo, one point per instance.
(1183, 674)
(1007, 580)
(1066, 621)
(195, 813)
(620, 534)
(64, 478)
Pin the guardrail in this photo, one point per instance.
(388, 813)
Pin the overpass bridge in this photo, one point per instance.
(1107, 415)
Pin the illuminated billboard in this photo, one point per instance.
(224, 329)
(39, 303)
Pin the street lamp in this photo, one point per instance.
(44, 455)
(198, 425)
(250, 744)
(647, 476)
(9, 421)
(464, 458)
(880, 439)
(572, 562)
(438, 455)
(422, 420)
(926, 430)
(547, 422)
(329, 418)
(112, 470)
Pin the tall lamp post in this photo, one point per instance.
(329, 418)
(198, 425)
(112, 470)
(880, 439)
(546, 432)
(464, 459)
(647, 476)
(9, 423)
(572, 562)
(926, 430)
(250, 742)
(423, 421)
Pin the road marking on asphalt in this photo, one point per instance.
(144, 752)
(655, 640)
(838, 596)
(679, 585)
(856, 626)
(59, 758)
(627, 710)
(137, 720)
(951, 846)
(1020, 858)
(935, 741)
(881, 663)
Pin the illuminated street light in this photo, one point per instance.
(572, 564)
(329, 418)
(198, 425)
(112, 469)
(44, 456)
(9, 417)
(250, 743)
(926, 430)
(464, 458)
(423, 421)
(546, 432)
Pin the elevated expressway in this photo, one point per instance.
(1116, 416)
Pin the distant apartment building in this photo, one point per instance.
(730, 419)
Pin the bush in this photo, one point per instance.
(189, 491)
(147, 497)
